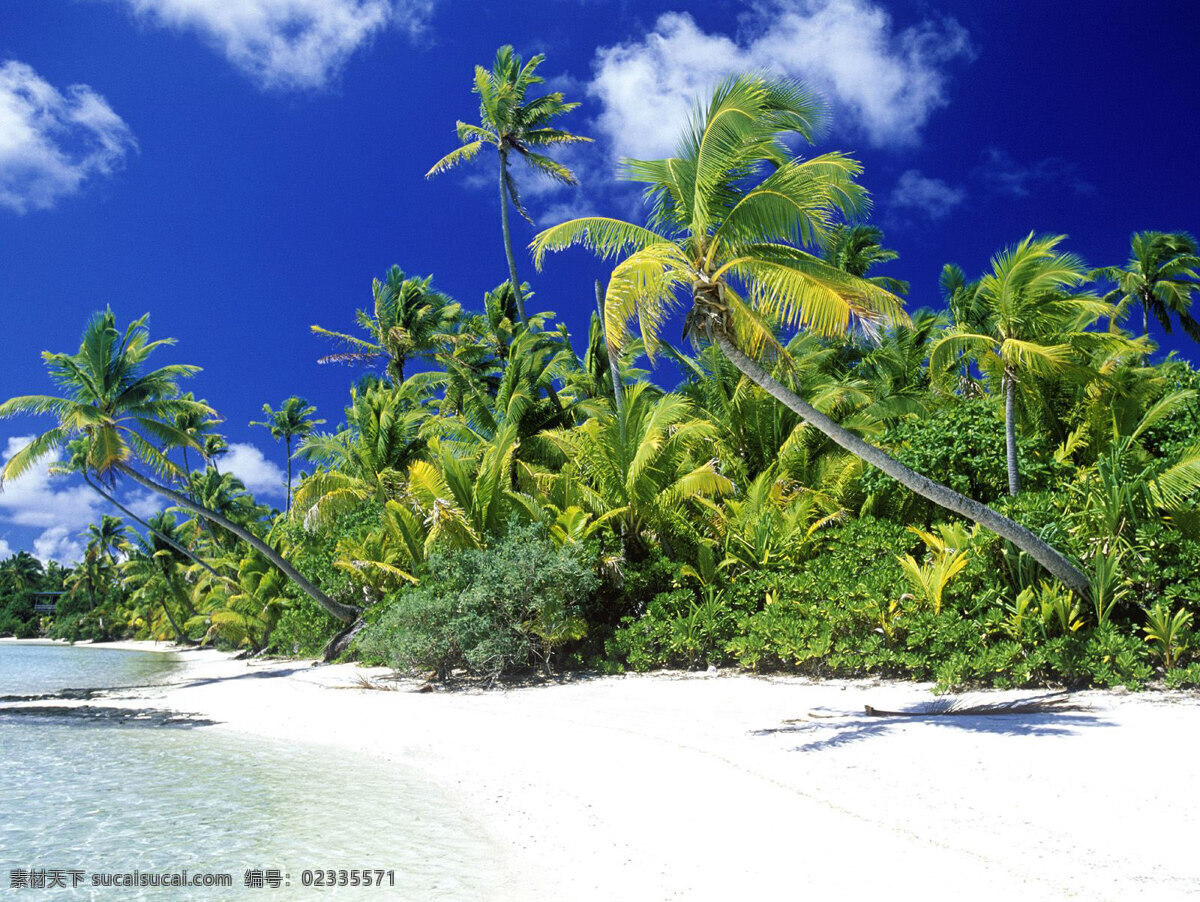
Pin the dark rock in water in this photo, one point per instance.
(128, 717)
(81, 695)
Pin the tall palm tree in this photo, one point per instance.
(727, 214)
(513, 124)
(127, 412)
(410, 319)
(1162, 277)
(1031, 324)
(293, 420)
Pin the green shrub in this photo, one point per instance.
(487, 612)
(960, 445)
(304, 627)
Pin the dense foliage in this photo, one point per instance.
(494, 502)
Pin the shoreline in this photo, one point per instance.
(717, 786)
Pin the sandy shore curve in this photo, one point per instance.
(702, 786)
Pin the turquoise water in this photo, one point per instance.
(108, 798)
(30, 669)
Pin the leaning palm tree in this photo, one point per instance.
(410, 319)
(1032, 324)
(513, 124)
(1162, 277)
(127, 411)
(293, 420)
(727, 215)
(76, 462)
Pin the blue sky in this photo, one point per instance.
(242, 169)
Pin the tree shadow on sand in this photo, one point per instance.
(1047, 715)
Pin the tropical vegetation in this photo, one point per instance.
(1000, 491)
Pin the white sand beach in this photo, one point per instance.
(715, 786)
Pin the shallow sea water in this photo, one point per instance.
(105, 798)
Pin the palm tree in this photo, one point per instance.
(77, 462)
(634, 469)
(153, 573)
(214, 446)
(1162, 277)
(857, 249)
(293, 419)
(723, 233)
(366, 460)
(225, 494)
(22, 572)
(513, 124)
(196, 424)
(410, 319)
(93, 575)
(127, 412)
(1031, 325)
(108, 537)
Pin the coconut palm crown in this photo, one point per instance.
(513, 124)
(1030, 323)
(727, 214)
(126, 410)
(1162, 277)
(730, 214)
(410, 319)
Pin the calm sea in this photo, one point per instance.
(102, 798)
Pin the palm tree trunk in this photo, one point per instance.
(1010, 433)
(508, 251)
(180, 638)
(165, 538)
(288, 449)
(613, 368)
(345, 613)
(941, 495)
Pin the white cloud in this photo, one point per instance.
(5, 550)
(52, 141)
(881, 82)
(145, 503)
(286, 44)
(931, 196)
(58, 544)
(247, 463)
(38, 500)
(1004, 175)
